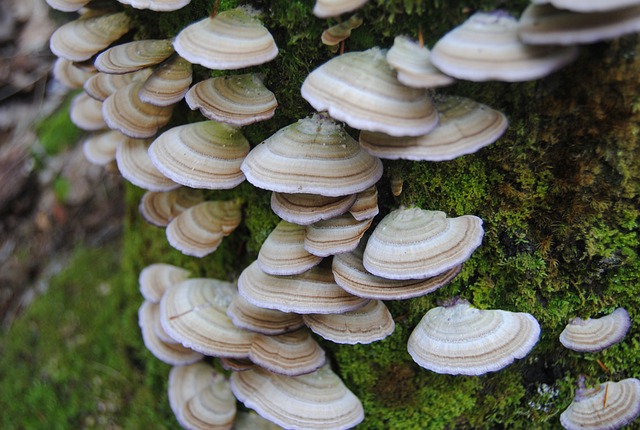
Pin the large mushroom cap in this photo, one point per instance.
(314, 155)
(205, 154)
(233, 39)
(544, 24)
(412, 243)
(465, 127)
(590, 411)
(318, 400)
(487, 47)
(361, 89)
(593, 5)
(413, 65)
(462, 340)
(592, 335)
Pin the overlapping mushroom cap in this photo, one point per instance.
(102, 85)
(86, 113)
(160, 207)
(101, 148)
(233, 39)
(305, 209)
(136, 167)
(70, 75)
(235, 99)
(262, 320)
(413, 65)
(341, 31)
(412, 243)
(608, 406)
(132, 56)
(461, 340)
(204, 154)
(318, 400)
(314, 155)
(361, 89)
(596, 334)
(168, 83)
(465, 126)
(327, 8)
(156, 278)
(335, 235)
(487, 47)
(283, 253)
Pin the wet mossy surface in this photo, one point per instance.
(558, 193)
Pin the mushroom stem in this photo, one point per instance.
(341, 47)
(420, 36)
(214, 11)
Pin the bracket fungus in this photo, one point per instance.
(204, 154)
(487, 47)
(102, 85)
(335, 34)
(335, 235)
(70, 75)
(314, 155)
(412, 243)
(591, 5)
(283, 253)
(168, 83)
(596, 334)
(100, 148)
(67, 5)
(232, 39)
(318, 400)
(366, 204)
(133, 56)
(86, 113)
(136, 167)
(458, 339)
(411, 61)
(262, 320)
(236, 99)
(157, 5)
(305, 209)
(608, 406)
(156, 278)
(160, 207)
(329, 8)
(361, 89)
(465, 127)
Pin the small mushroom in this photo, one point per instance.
(596, 334)
(157, 5)
(341, 31)
(318, 400)
(262, 320)
(102, 85)
(69, 74)
(133, 56)
(156, 278)
(233, 39)
(335, 235)
(366, 204)
(458, 339)
(411, 60)
(329, 8)
(283, 253)
(361, 89)
(305, 209)
(160, 207)
(236, 99)
(608, 406)
(135, 166)
(86, 113)
(100, 148)
(168, 83)
(293, 353)
(486, 47)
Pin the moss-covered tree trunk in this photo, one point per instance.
(558, 194)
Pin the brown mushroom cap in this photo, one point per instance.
(69, 74)
(366, 204)
(341, 31)
(305, 209)
(262, 320)
(283, 253)
(205, 154)
(361, 89)
(314, 155)
(318, 400)
(367, 324)
(313, 291)
(465, 127)
(132, 56)
(596, 334)
(233, 39)
(487, 47)
(160, 207)
(461, 340)
(235, 99)
(412, 243)
(156, 278)
(609, 406)
(102, 85)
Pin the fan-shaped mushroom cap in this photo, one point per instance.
(261, 320)
(294, 353)
(170, 353)
(168, 83)
(461, 340)
(596, 334)
(361, 89)
(465, 127)
(283, 253)
(187, 381)
(86, 113)
(157, 5)
(199, 230)
(544, 24)
(67, 5)
(193, 312)
(102, 85)
(69, 74)
(318, 400)
(486, 47)
(135, 166)
(205, 154)
(350, 274)
(100, 148)
(592, 5)
(413, 65)
(327, 8)
(132, 56)
(314, 155)
(305, 209)
(235, 99)
(313, 291)
(412, 243)
(125, 112)
(232, 40)
(335, 235)
(84, 37)
(341, 31)
(366, 204)
(156, 278)
(236, 364)
(367, 324)
(590, 411)
(159, 208)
